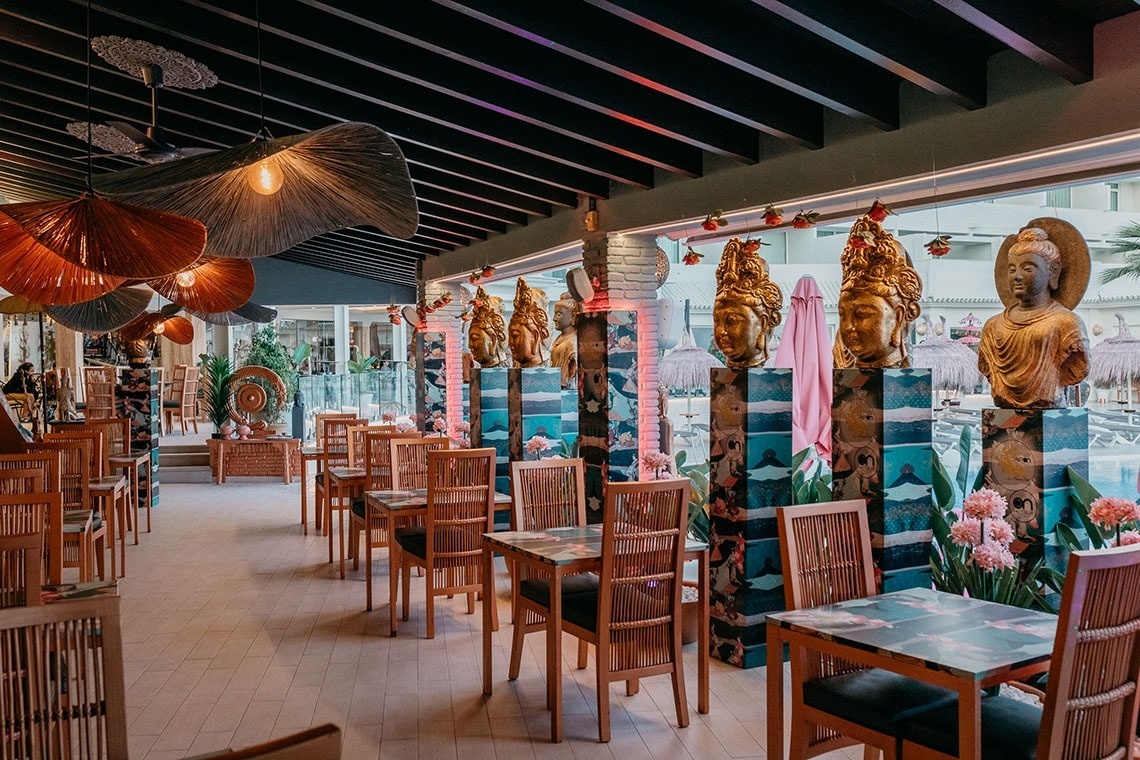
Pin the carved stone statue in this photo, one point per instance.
(564, 352)
(1035, 348)
(747, 305)
(488, 333)
(878, 299)
(139, 351)
(529, 327)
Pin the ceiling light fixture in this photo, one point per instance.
(186, 279)
(264, 177)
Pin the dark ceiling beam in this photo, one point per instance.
(309, 259)
(430, 177)
(592, 37)
(467, 170)
(894, 41)
(440, 79)
(462, 217)
(318, 254)
(1061, 42)
(52, 186)
(365, 240)
(767, 51)
(438, 32)
(423, 142)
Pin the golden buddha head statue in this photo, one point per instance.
(488, 333)
(878, 299)
(529, 327)
(747, 305)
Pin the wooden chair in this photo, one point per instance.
(99, 392)
(29, 473)
(825, 551)
(118, 457)
(23, 518)
(548, 493)
(409, 459)
(183, 401)
(334, 453)
(356, 433)
(460, 509)
(319, 423)
(84, 531)
(1093, 691)
(320, 743)
(634, 617)
(64, 694)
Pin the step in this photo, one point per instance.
(184, 459)
(185, 474)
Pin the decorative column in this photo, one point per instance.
(1024, 456)
(882, 452)
(534, 398)
(141, 395)
(750, 474)
(431, 376)
(491, 423)
(617, 361)
(444, 320)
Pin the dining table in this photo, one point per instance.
(309, 454)
(402, 506)
(559, 552)
(341, 483)
(944, 639)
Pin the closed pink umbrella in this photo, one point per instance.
(806, 348)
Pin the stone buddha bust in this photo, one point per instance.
(1036, 347)
(529, 327)
(487, 335)
(747, 306)
(564, 352)
(878, 299)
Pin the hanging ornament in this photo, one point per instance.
(752, 245)
(691, 257)
(861, 239)
(773, 215)
(488, 271)
(879, 211)
(939, 246)
(395, 319)
(805, 219)
(393, 309)
(714, 221)
(474, 277)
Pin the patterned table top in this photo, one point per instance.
(561, 546)
(966, 637)
(68, 591)
(416, 498)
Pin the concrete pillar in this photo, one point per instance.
(445, 320)
(69, 354)
(340, 339)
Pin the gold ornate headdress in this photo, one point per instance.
(529, 311)
(874, 261)
(742, 275)
(487, 315)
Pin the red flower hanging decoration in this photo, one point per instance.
(939, 246)
(879, 211)
(445, 299)
(393, 309)
(861, 240)
(466, 316)
(773, 215)
(751, 245)
(488, 271)
(805, 219)
(691, 257)
(714, 221)
(395, 319)
(475, 276)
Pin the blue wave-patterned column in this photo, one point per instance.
(490, 419)
(607, 401)
(141, 396)
(750, 455)
(431, 376)
(1024, 456)
(882, 452)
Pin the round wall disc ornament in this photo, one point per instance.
(250, 401)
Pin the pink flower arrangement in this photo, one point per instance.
(388, 417)
(966, 532)
(405, 427)
(1113, 511)
(657, 463)
(993, 556)
(537, 445)
(462, 443)
(463, 426)
(440, 425)
(985, 504)
(1128, 538)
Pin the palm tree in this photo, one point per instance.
(1127, 243)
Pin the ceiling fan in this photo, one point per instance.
(158, 68)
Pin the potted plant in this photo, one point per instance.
(360, 370)
(698, 530)
(216, 374)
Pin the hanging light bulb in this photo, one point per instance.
(160, 328)
(264, 177)
(186, 279)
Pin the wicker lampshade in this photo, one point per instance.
(179, 330)
(109, 312)
(105, 236)
(243, 315)
(215, 285)
(344, 175)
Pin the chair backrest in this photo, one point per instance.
(74, 471)
(38, 473)
(320, 743)
(377, 460)
(24, 518)
(409, 460)
(825, 551)
(356, 444)
(99, 386)
(176, 378)
(1094, 679)
(97, 451)
(116, 435)
(639, 587)
(72, 648)
(460, 509)
(334, 437)
(319, 423)
(189, 394)
(548, 493)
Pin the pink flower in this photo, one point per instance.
(439, 425)
(1112, 511)
(985, 504)
(999, 531)
(463, 426)
(993, 556)
(462, 443)
(966, 532)
(405, 427)
(537, 445)
(388, 417)
(1129, 538)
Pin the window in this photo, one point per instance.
(1062, 197)
(1113, 196)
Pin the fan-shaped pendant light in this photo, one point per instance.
(109, 312)
(213, 285)
(243, 315)
(65, 252)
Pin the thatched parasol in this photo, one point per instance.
(110, 312)
(687, 367)
(212, 285)
(243, 315)
(954, 366)
(344, 175)
(1115, 361)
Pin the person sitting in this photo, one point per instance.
(22, 389)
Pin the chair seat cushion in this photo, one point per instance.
(1009, 729)
(358, 508)
(538, 589)
(413, 540)
(167, 404)
(875, 698)
(581, 609)
(319, 478)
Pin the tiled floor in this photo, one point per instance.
(236, 632)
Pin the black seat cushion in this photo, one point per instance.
(1009, 729)
(358, 508)
(412, 540)
(167, 404)
(319, 478)
(582, 609)
(874, 698)
(538, 589)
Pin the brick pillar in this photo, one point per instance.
(617, 361)
(445, 320)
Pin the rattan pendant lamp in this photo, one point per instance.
(268, 195)
(70, 251)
